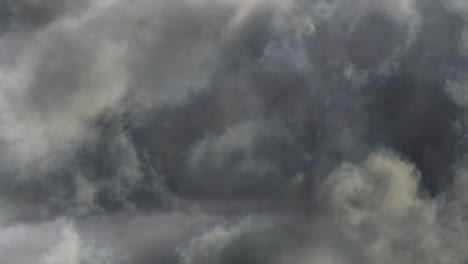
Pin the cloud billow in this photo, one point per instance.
(202, 131)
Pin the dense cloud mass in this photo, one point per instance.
(233, 131)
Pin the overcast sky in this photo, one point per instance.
(233, 131)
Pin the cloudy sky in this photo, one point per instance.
(233, 131)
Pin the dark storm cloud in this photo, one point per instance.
(33, 14)
(201, 131)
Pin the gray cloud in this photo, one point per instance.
(202, 131)
(375, 212)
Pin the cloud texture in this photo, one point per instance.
(233, 131)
